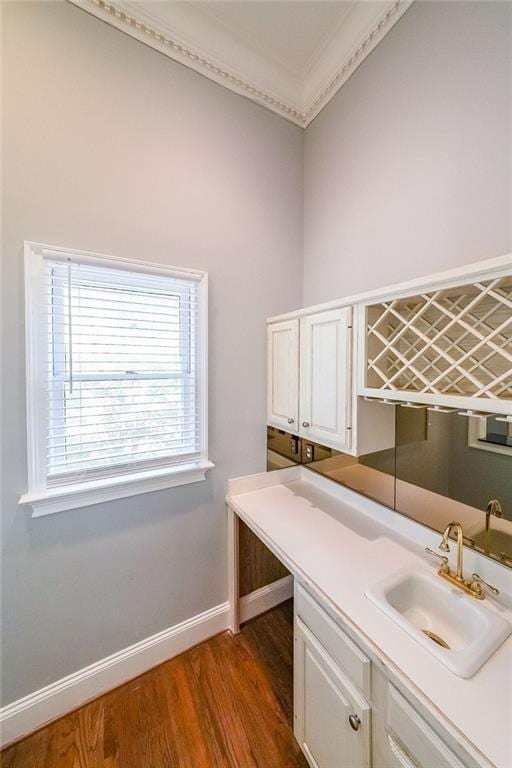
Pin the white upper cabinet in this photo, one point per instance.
(447, 343)
(443, 341)
(325, 377)
(283, 375)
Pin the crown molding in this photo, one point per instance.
(201, 44)
(332, 70)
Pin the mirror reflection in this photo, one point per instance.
(373, 474)
(443, 466)
(456, 475)
(283, 449)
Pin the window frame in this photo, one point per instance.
(46, 500)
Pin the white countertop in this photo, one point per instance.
(341, 543)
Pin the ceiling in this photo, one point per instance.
(288, 34)
(290, 56)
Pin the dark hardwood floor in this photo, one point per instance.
(227, 702)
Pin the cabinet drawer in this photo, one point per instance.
(412, 741)
(339, 646)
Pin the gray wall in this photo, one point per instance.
(408, 168)
(112, 147)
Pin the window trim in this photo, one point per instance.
(42, 499)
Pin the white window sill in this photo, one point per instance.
(85, 494)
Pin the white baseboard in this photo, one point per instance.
(265, 598)
(31, 712)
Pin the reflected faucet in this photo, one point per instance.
(445, 547)
(493, 508)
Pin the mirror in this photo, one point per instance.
(455, 467)
(283, 449)
(443, 466)
(492, 433)
(373, 474)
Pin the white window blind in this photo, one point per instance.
(123, 371)
(116, 377)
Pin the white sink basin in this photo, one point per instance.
(422, 603)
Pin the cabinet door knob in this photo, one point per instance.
(354, 721)
(306, 424)
(290, 421)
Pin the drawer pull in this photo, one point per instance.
(355, 722)
(306, 424)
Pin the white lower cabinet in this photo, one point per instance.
(409, 741)
(345, 717)
(332, 720)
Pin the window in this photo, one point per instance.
(491, 433)
(116, 377)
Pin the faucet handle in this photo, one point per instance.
(476, 585)
(444, 560)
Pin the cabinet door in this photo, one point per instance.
(325, 375)
(325, 704)
(412, 742)
(283, 375)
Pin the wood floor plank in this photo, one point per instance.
(266, 723)
(274, 648)
(219, 722)
(111, 730)
(225, 704)
(226, 716)
(89, 736)
(33, 752)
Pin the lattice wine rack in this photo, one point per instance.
(449, 342)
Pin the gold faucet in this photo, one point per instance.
(445, 547)
(472, 586)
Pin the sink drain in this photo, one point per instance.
(436, 638)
